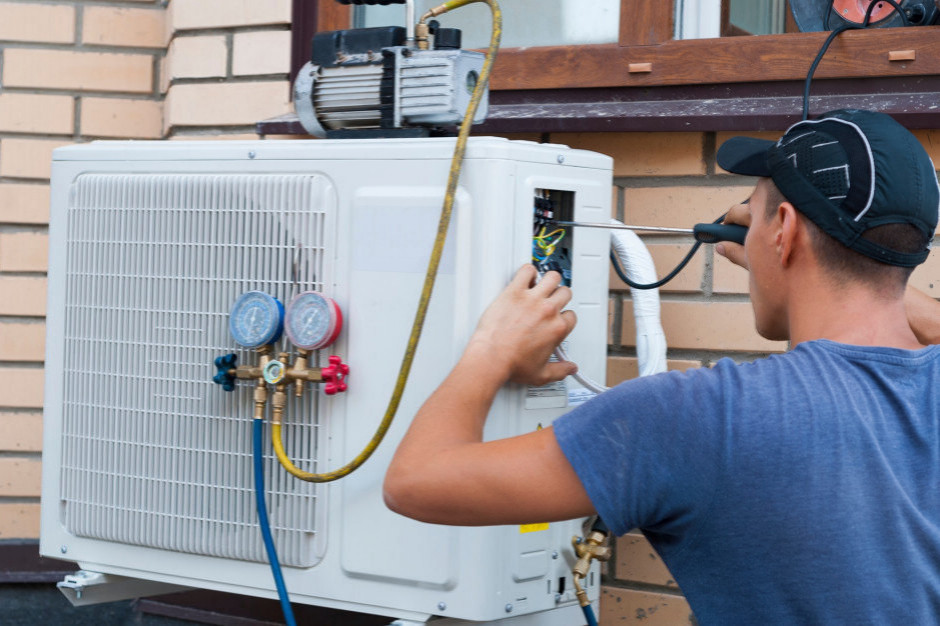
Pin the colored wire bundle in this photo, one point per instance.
(543, 245)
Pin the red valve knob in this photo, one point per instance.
(334, 376)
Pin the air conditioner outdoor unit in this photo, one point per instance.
(147, 463)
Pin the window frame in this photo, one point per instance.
(648, 66)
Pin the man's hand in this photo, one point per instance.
(521, 328)
(738, 214)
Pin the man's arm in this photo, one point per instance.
(443, 472)
(923, 314)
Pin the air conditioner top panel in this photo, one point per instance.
(337, 149)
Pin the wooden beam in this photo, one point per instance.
(854, 54)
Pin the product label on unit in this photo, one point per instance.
(579, 395)
(552, 396)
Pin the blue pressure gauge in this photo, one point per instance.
(257, 319)
(313, 320)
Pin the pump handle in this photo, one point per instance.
(371, 1)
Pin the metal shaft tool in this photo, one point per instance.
(705, 233)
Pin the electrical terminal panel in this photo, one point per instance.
(553, 245)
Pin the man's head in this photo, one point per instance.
(863, 190)
(849, 172)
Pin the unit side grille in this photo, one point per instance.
(154, 453)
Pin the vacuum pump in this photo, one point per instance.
(387, 81)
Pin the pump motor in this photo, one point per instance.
(386, 82)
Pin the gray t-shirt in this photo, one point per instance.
(801, 488)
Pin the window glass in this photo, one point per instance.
(526, 23)
(758, 17)
(701, 19)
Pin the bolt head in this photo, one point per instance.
(64, 549)
(252, 154)
(561, 158)
(509, 608)
(441, 606)
(554, 554)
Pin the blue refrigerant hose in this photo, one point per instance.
(257, 440)
(589, 615)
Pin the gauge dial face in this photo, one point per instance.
(256, 319)
(313, 321)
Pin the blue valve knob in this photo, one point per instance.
(224, 364)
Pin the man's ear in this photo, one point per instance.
(788, 230)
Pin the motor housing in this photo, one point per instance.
(369, 82)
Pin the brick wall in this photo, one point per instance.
(69, 72)
(226, 67)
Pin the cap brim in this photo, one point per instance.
(745, 155)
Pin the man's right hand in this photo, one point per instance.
(738, 214)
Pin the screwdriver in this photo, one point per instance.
(705, 233)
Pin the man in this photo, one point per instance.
(804, 487)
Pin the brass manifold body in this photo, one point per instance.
(278, 373)
(594, 547)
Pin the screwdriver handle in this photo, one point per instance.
(714, 233)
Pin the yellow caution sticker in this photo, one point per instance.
(533, 528)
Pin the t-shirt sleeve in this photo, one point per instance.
(649, 452)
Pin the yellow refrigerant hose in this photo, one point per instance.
(433, 264)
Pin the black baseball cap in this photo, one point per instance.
(848, 171)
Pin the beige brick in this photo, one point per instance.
(127, 119)
(21, 295)
(264, 52)
(621, 368)
(20, 477)
(637, 561)
(24, 203)
(34, 22)
(628, 606)
(728, 277)
(931, 141)
(22, 342)
(189, 14)
(21, 432)
(644, 154)
(24, 252)
(727, 326)
(197, 57)
(27, 158)
(118, 26)
(81, 71)
(226, 104)
(666, 257)
(21, 388)
(927, 276)
(680, 207)
(19, 520)
(720, 138)
(30, 113)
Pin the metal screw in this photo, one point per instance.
(252, 154)
(64, 549)
(509, 608)
(441, 606)
(561, 158)
(554, 554)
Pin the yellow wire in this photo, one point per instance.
(430, 276)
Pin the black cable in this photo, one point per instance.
(659, 283)
(831, 38)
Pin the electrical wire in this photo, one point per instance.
(831, 38)
(433, 264)
(257, 453)
(659, 283)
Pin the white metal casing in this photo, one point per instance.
(146, 464)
